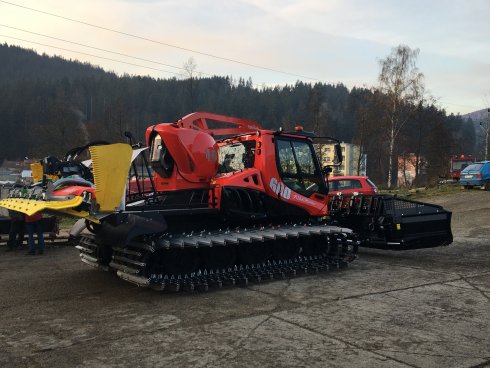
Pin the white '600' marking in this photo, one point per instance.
(279, 188)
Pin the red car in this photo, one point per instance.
(351, 185)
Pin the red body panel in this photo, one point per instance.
(195, 153)
(265, 166)
(74, 190)
(191, 144)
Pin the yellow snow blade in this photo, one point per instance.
(37, 173)
(82, 214)
(31, 206)
(110, 165)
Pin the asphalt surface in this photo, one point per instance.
(419, 308)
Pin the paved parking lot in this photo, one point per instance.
(420, 308)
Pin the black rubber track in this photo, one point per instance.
(199, 261)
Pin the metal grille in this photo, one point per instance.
(398, 206)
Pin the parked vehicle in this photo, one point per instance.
(476, 175)
(351, 185)
(459, 163)
(218, 200)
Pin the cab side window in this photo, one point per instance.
(236, 156)
(160, 159)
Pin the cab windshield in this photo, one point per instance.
(298, 167)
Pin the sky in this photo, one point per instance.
(273, 42)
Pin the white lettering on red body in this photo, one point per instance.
(280, 189)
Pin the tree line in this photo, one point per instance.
(49, 105)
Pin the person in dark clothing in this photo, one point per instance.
(17, 229)
(34, 225)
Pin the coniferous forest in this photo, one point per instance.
(49, 105)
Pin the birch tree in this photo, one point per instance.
(403, 85)
(190, 74)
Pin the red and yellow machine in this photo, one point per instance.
(220, 200)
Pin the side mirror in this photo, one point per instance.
(327, 170)
(338, 153)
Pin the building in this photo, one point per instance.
(407, 169)
(8, 175)
(16, 171)
(351, 156)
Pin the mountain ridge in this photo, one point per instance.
(477, 116)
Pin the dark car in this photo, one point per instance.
(351, 185)
(476, 175)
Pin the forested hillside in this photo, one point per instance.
(48, 105)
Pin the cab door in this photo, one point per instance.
(298, 167)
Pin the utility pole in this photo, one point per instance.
(486, 130)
